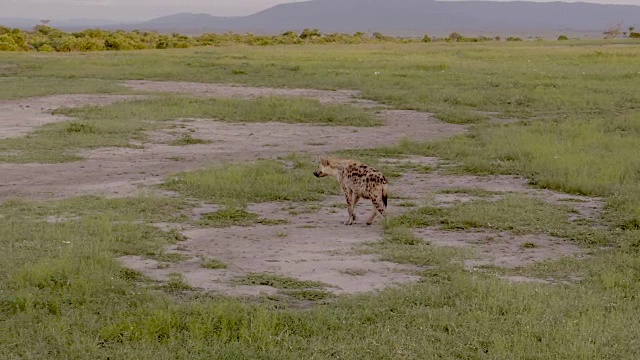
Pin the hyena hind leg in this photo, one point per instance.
(378, 207)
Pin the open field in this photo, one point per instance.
(161, 204)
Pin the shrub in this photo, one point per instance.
(454, 36)
(99, 40)
(563, 37)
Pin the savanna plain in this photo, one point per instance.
(160, 204)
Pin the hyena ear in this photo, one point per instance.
(324, 161)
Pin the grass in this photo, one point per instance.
(308, 294)
(458, 116)
(515, 213)
(63, 276)
(236, 217)
(402, 236)
(228, 217)
(187, 139)
(63, 295)
(531, 79)
(292, 110)
(176, 284)
(213, 264)
(24, 87)
(355, 272)
(278, 282)
(478, 192)
(168, 257)
(261, 181)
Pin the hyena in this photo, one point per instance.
(357, 180)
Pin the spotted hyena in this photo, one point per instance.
(357, 180)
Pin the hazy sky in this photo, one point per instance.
(127, 10)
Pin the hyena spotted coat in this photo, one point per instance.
(357, 180)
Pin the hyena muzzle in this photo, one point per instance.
(357, 180)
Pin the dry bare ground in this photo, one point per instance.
(313, 245)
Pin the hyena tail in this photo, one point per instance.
(385, 194)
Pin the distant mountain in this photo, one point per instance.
(27, 24)
(187, 21)
(410, 16)
(397, 17)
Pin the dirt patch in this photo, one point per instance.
(313, 245)
(503, 249)
(588, 208)
(20, 117)
(123, 171)
(248, 92)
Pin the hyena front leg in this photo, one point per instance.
(378, 207)
(356, 197)
(348, 195)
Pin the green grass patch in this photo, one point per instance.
(514, 213)
(168, 257)
(261, 181)
(228, 217)
(263, 109)
(24, 87)
(461, 116)
(147, 208)
(231, 216)
(213, 264)
(355, 272)
(308, 294)
(176, 284)
(407, 204)
(187, 139)
(402, 236)
(521, 79)
(517, 214)
(278, 282)
(478, 192)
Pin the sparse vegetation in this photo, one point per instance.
(120, 123)
(213, 264)
(176, 284)
(461, 117)
(64, 295)
(255, 182)
(232, 216)
(279, 282)
(308, 294)
(187, 139)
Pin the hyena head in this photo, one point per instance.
(327, 168)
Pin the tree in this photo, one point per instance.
(454, 36)
(307, 34)
(427, 38)
(613, 31)
(563, 37)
